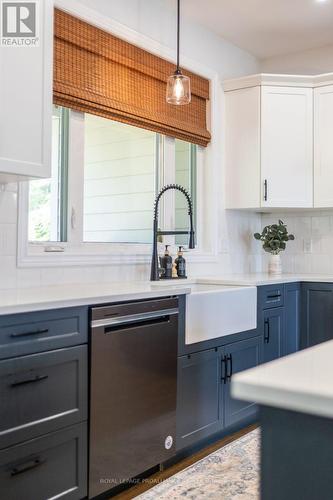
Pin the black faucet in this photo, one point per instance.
(154, 273)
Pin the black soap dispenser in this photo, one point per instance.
(180, 263)
(166, 263)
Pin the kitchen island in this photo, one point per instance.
(295, 397)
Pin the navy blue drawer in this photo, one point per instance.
(30, 333)
(54, 466)
(42, 392)
(270, 296)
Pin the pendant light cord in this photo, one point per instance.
(178, 30)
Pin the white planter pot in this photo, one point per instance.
(274, 265)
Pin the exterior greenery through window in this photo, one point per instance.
(48, 197)
(115, 171)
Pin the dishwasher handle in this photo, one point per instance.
(133, 318)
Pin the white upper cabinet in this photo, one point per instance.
(26, 92)
(323, 151)
(286, 147)
(269, 144)
(242, 132)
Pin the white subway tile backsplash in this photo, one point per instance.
(8, 207)
(321, 264)
(8, 239)
(320, 225)
(51, 276)
(27, 278)
(8, 274)
(312, 250)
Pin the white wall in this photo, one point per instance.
(312, 249)
(156, 20)
(237, 250)
(308, 62)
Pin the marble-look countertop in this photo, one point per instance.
(301, 382)
(259, 279)
(58, 296)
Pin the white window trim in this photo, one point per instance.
(209, 165)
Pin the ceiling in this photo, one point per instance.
(266, 28)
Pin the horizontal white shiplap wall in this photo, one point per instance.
(119, 182)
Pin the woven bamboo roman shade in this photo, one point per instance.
(100, 74)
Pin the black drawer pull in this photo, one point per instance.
(229, 372)
(28, 466)
(224, 369)
(27, 334)
(266, 331)
(38, 378)
(276, 296)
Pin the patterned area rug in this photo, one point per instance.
(230, 473)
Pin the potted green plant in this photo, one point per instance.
(274, 238)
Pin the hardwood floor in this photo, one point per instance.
(160, 476)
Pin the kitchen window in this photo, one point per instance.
(48, 197)
(105, 176)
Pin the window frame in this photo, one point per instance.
(210, 171)
(75, 251)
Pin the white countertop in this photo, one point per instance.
(55, 297)
(301, 382)
(259, 279)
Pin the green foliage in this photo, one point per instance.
(40, 210)
(40, 193)
(42, 231)
(274, 238)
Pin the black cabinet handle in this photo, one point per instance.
(224, 369)
(32, 464)
(265, 190)
(276, 296)
(266, 331)
(229, 366)
(27, 334)
(37, 378)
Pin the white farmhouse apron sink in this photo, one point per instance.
(214, 311)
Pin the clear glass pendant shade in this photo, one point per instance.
(178, 89)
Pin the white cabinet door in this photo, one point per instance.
(26, 97)
(242, 134)
(323, 147)
(286, 147)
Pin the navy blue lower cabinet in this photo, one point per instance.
(199, 400)
(204, 402)
(270, 296)
(51, 466)
(29, 333)
(272, 328)
(238, 357)
(41, 393)
(317, 313)
(296, 455)
(292, 318)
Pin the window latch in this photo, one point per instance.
(73, 218)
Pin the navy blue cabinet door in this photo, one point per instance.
(199, 402)
(239, 356)
(292, 318)
(272, 329)
(317, 313)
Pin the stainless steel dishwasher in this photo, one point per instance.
(133, 390)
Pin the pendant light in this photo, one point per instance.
(178, 85)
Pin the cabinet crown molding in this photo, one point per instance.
(269, 79)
